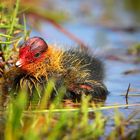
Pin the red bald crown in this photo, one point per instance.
(31, 51)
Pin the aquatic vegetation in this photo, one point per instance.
(135, 51)
(59, 122)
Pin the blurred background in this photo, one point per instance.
(79, 17)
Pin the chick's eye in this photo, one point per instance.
(37, 55)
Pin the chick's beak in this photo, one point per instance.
(19, 63)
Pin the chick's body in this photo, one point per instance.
(79, 72)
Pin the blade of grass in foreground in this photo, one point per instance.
(4, 35)
(134, 94)
(46, 96)
(14, 17)
(14, 115)
(9, 42)
(78, 109)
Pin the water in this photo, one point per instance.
(103, 41)
(111, 43)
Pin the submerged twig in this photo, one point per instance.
(126, 96)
